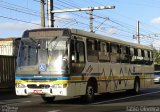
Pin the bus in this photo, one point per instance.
(71, 62)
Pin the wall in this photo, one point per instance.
(7, 71)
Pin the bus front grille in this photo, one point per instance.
(40, 86)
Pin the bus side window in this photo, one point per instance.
(103, 52)
(114, 55)
(80, 52)
(128, 53)
(108, 47)
(133, 55)
(150, 57)
(118, 53)
(77, 56)
(146, 57)
(140, 56)
(92, 49)
(125, 54)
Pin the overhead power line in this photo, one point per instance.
(121, 25)
(18, 7)
(21, 11)
(124, 29)
(15, 19)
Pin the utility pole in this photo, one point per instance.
(138, 36)
(91, 21)
(42, 14)
(137, 33)
(51, 20)
(50, 8)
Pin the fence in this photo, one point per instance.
(6, 50)
(7, 72)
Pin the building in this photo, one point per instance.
(8, 53)
(9, 46)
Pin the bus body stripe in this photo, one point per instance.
(41, 78)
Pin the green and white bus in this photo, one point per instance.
(70, 62)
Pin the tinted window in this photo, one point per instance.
(103, 52)
(157, 73)
(92, 50)
(77, 56)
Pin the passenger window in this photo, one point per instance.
(114, 55)
(114, 48)
(108, 47)
(135, 52)
(142, 52)
(139, 59)
(146, 57)
(103, 54)
(103, 46)
(92, 49)
(139, 53)
(125, 54)
(133, 55)
(80, 52)
(148, 54)
(77, 56)
(132, 51)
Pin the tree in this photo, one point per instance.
(156, 56)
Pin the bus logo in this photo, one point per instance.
(42, 67)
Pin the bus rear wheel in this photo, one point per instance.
(48, 99)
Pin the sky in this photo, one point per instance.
(16, 16)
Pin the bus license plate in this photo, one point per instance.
(37, 91)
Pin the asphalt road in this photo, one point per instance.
(147, 101)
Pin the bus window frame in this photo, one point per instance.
(93, 50)
(103, 51)
(76, 63)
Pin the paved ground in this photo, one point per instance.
(148, 100)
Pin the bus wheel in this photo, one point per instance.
(136, 89)
(89, 97)
(48, 99)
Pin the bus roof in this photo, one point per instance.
(66, 31)
(109, 39)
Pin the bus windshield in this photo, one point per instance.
(45, 55)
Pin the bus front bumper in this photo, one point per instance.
(47, 92)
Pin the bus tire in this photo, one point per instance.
(48, 99)
(90, 91)
(136, 89)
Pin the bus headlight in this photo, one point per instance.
(19, 85)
